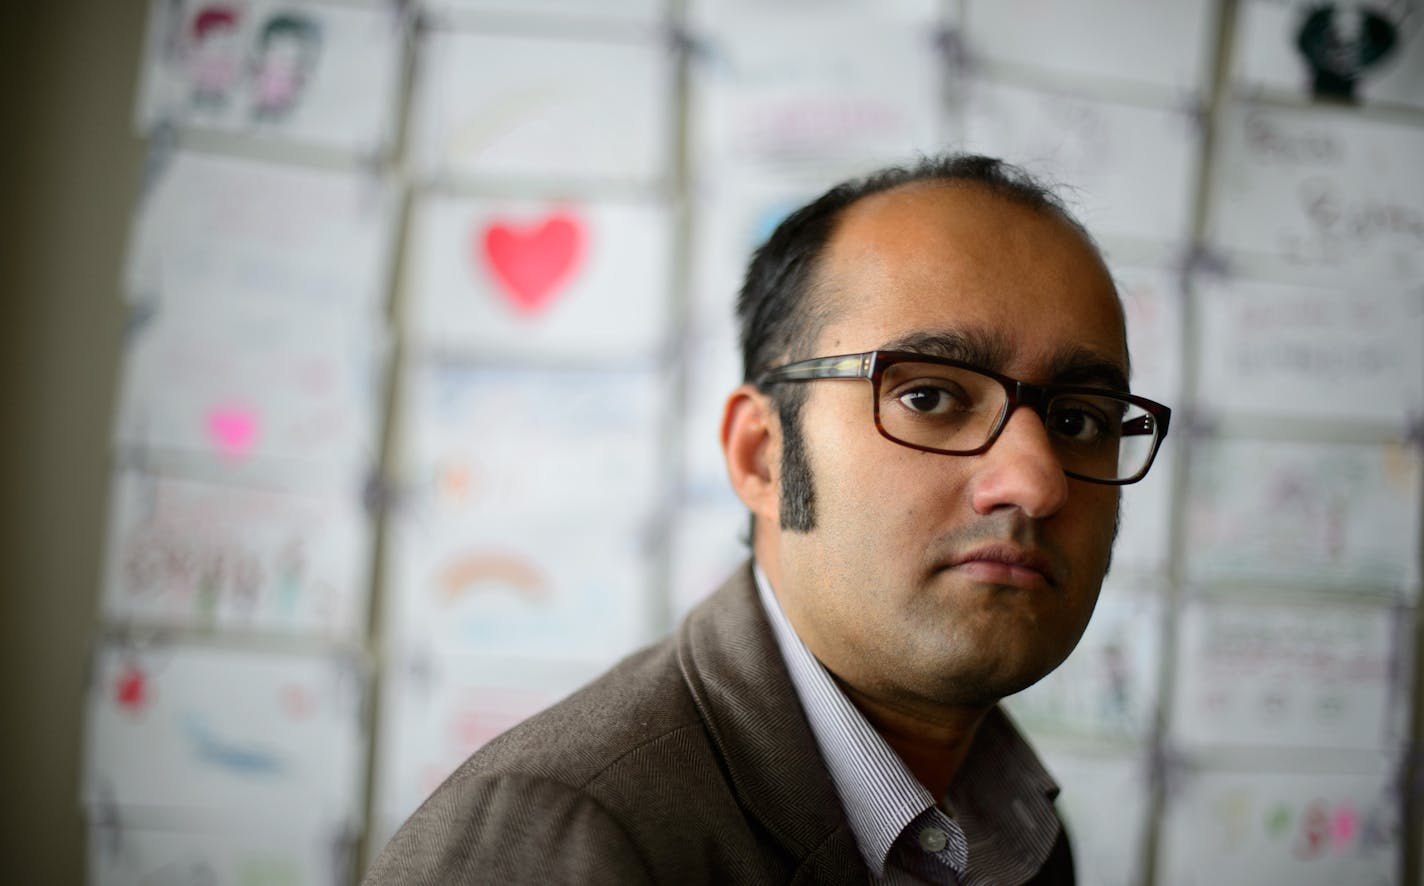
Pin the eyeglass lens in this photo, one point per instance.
(951, 409)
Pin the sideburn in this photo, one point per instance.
(798, 493)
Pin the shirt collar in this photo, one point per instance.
(880, 795)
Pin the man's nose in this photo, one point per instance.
(1021, 470)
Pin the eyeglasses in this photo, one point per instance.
(939, 405)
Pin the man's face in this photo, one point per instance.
(937, 579)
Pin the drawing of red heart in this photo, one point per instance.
(532, 263)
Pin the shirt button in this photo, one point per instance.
(933, 839)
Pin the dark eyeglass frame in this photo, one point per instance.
(871, 365)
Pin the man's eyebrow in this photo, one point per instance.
(1073, 366)
(1081, 366)
(952, 344)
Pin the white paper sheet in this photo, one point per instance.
(1282, 46)
(825, 91)
(1107, 689)
(188, 553)
(436, 710)
(529, 498)
(222, 227)
(546, 109)
(1276, 350)
(1326, 193)
(1129, 170)
(246, 383)
(1288, 675)
(1306, 828)
(255, 852)
(560, 281)
(1104, 805)
(325, 74)
(1308, 514)
(572, 587)
(221, 736)
(1164, 44)
(478, 441)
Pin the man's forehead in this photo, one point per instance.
(975, 276)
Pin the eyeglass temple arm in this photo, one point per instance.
(1145, 425)
(845, 366)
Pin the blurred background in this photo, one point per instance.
(363, 364)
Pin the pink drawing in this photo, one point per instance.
(533, 263)
(1343, 826)
(233, 429)
(131, 689)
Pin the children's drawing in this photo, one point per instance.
(493, 572)
(1340, 43)
(233, 428)
(288, 49)
(566, 587)
(272, 385)
(532, 263)
(1315, 828)
(196, 554)
(1303, 351)
(243, 759)
(214, 54)
(1293, 513)
(1304, 675)
(1334, 197)
(218, 741)
(1342, 52)
(314, 73)
(532, 280)
(829, 90)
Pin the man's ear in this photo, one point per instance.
(751, 443)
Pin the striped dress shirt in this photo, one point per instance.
(996, 825)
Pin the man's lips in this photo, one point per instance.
(1006, 564)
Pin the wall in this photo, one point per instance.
(71, 167)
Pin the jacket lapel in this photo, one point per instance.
(735, 672)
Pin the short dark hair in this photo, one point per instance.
(775, 309)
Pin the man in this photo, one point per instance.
(922, 548)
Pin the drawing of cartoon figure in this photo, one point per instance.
(288, 46)
(1340, 42)
(213, 58)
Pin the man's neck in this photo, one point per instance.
(933, 749)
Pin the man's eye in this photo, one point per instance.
(930, 400)
(1078, 424)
